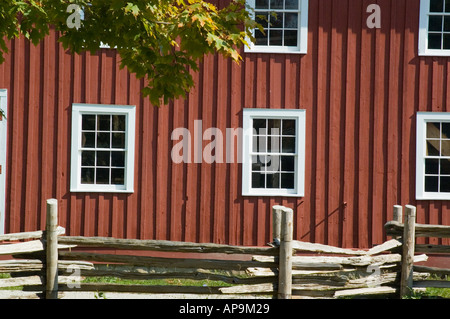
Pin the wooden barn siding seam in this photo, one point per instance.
(361, 89)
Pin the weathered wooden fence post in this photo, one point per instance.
(51, 247)
(285, 258)
(276, 224)
(406, 280)
(398, 213)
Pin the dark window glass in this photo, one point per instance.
(103, 140)
(447, 5)
(88, 122)
(103, 158)
(291, 38)
(287, 180)
(87, 175)
(435, 41)
(102, 176)
(118, 140)
(261, 4)
(118, 159)
(273, 180)
(431, 166)
(291, 4)
(258, 180)
(291, 20)
(431, 183)
(275, 37)
(117, 176)
(433, 130)
(118, 123)
(276, 4)
(433, 147)
(445, 167)
(446, 130)
(436, 5)
(262, 18)
(260, 37)
(288, 145)
(276, 20)
(288, 127)
(88, 158)
(444, 184)
(287, 163)
(88, 140)
(435, 23)
(103, 122)
(259, 126)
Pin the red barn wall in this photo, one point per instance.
(361, 89)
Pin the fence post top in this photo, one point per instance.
(52, 201)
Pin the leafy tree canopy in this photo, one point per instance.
(160, 40)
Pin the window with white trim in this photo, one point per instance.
(434, 29)
(285, 24)
(273, 152)
(102, 158)
(433, 156)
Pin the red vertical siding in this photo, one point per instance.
(361, 89)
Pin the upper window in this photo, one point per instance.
(434, 31)
(285, 24)
(273, 152)
(433, 156)
(102, 157)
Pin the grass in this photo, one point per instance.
(156, 282)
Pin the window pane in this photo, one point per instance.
(276, 4)
(447, 23)
(433, 147)
(445, 167)
(118, 140)
(88, 158)
(431, 166)
(103, 158)
(87, 175)
(103, 122)
(258, 180)
(434, 41)
(260, 38)
(118, 123)
(257, 165)
(446, 130)
(291, 20)
(445, 148)
(435, 23)
(273, 163)
(117, 176)
(273, 144)
(259, 144)
(275, 37)
(444, 184)
(103, 140)
(291, 4)
(274, 127)
(287, 180)
(436, 5)
(273, 180)
(287, 163)
(88, 123)
(118, 159)
(262, 18)
(88, 140)
(288, 127)
(431, 183)
(261, 4)
(259, 125)
(288, 145)
(102, 176)
(276, 20)
(447, 5)
(433, 130)
(291, 38)
(446, 44)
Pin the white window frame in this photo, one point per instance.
(299, 174)
(3, 148)
(302, 41)
(423, 32)
(78, 110)
(422, 119)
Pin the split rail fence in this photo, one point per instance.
(407, 231)
(47, 264)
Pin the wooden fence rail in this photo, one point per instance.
(48, 264)
(407, 231)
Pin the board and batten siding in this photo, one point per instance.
(360, 87)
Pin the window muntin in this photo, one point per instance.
(284, 23)
(273, 152)
(102, 148)
(434, 33)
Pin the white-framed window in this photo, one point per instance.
(285, 24)
(434, 28)
(103, 141)
(433, 156)
(273, 162)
